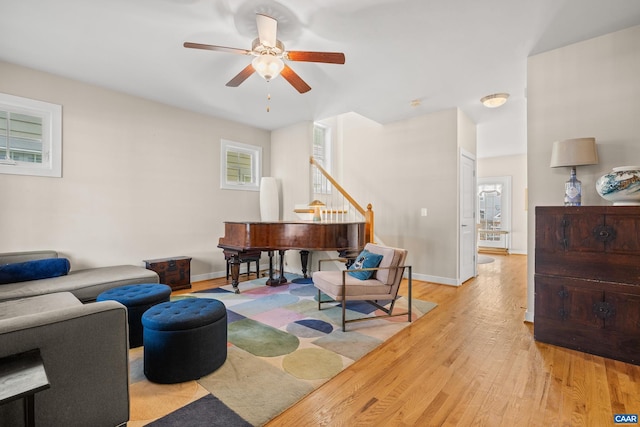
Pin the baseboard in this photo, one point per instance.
(207, 276)
(528, 316)
(436, 279)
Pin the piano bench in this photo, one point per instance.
(245, 257)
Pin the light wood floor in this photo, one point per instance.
(472, 361)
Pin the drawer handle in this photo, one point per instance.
(603, 310)
(563, 314)
(604, 233)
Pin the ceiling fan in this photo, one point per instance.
(269, 54)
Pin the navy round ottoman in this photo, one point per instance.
(138, 299)
(184, 340)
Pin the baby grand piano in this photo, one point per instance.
(241, 237)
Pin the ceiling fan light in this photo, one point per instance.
(495, 100)
(267, 66)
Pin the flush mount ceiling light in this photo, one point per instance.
(494, 100)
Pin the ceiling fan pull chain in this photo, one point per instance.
(268, 100)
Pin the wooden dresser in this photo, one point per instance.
(587, 279)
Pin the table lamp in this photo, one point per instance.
(574, 152)
(317, 207)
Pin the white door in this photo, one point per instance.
(467, 221)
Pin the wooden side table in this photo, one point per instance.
(175, 272)
(21, 377)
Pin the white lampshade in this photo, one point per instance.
(267, 66)
(574, 152)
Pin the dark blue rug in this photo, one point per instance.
(208, 411)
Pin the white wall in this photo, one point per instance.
(291, 149)
(398, 168)
(467, 133)
(402, 167)
(588, 89)
(140, 180)
(516, 167)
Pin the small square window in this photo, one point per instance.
(30, 137)
(240, 166)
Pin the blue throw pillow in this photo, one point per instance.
(366, 259)
(33, 270)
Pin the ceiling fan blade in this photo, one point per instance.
(267, 28)
(295, 80)
(216, 48)
(241, 76)
(326, 57)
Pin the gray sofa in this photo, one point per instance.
(84, 348)
(83, 344)
(85, 284)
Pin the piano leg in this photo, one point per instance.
(271, 279)
(235, 271)
(276, 281)
(283, 279)
(304, 261)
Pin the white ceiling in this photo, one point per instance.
(444, 53)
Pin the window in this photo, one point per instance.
(322, 154)
(30, 137)
(240, 166)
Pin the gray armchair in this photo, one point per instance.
(84, 348)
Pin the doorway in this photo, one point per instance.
(494, 213)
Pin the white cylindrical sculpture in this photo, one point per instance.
(269, 199)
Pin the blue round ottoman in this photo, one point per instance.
(184, 340)
(138, 299)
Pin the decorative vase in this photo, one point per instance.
(621, 186)
(269, 199)
(573, 190)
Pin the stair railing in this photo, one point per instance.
(340, 207)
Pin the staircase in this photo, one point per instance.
(335, 204)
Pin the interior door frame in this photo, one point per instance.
(467, 243)
(505, 209)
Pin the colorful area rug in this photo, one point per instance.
(280, 349)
